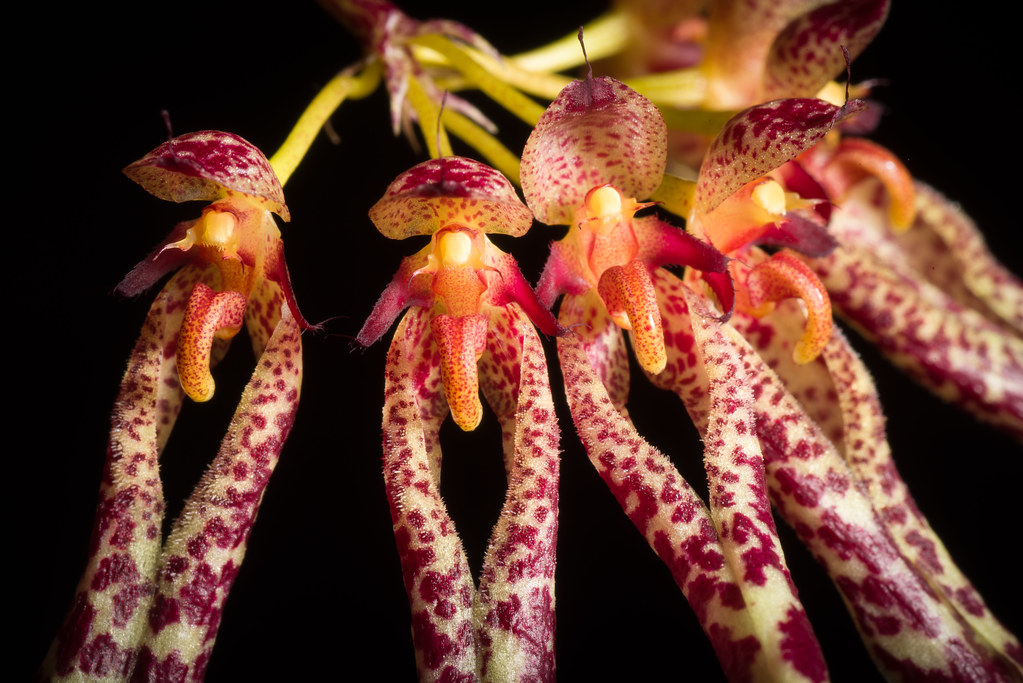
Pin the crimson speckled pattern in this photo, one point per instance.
(451, 189)
(759, 140)
(990, 286)
(597, 131)
(812, 488)
(954, 350)
(907, 627)
(205, 549)
(146, 609)
(740, 506)
(774, 336)
(666, 511)
(807, 53)
(515, 602)
(869, 457)
(104, 627)
(506, 629)
(757, 51)
(202, 165)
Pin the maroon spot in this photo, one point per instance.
(970, 601)
(928, 554)
(198, 596)
(73, 633)
(435, 647)
(126, 600)
(800, 647)
(198, 546)
(116, 568)
(172, 567)
(149, 670)
(736, 656)
(164, 611)
(102, 657)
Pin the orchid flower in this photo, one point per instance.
(467, 331)
(320, 596)
(751, 445)
(145, 607)
(940, 270)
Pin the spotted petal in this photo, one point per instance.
(206, 545)
(909, 629)
(597, 131)
(953, 349)
(450, 190)
(760, 139)
(202, 165)
(808, 51)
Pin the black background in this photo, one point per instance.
(320, 593)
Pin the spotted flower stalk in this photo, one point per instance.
(787, 413)
(468, 330)
(750, 447)
(148, 608)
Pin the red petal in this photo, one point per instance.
(808, 52)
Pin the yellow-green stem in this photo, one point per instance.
(326, 102)
(682, 88)
(604, 36)
(428, 112)
(502, 93)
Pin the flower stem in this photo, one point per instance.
(499, 91)
(326, 102)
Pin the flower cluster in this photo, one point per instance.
(710, 198)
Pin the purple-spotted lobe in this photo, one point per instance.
(759, 140)
(596, 132)
(204, 166)
(452, 189)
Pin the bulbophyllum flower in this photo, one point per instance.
(468, 330)
(917, 279)
(236, 233)
(759, 440)
(148, 608)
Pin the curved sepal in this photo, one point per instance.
(202, 165)
(808, 52)
(437, 578)
(760, 139)
(437, 192)
(516, 596)
(666, 511)
(567, 153)
(206, 546)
